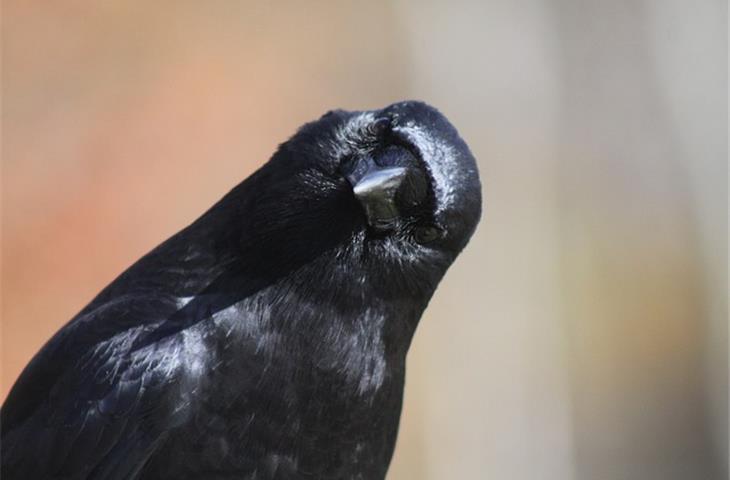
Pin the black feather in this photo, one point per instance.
(268, 339)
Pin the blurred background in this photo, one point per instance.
(582, 334)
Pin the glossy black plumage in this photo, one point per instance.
(267, 340)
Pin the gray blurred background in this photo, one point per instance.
(582, 334)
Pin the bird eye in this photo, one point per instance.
(427, 234)
(379, 127)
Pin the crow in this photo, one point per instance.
(266, 340)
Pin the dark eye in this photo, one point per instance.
(427, 234)
(379, 127)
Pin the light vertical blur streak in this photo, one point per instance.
(693, 67)
(631, 252)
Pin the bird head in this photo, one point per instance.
(412, 174)
(393, 191)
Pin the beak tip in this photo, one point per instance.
(380, 182)
(376, 192)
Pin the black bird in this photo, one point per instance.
(267, 340)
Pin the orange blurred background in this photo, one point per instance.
(582, 334)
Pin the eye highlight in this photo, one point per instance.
(427, 233)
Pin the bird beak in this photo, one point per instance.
(376, 189)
